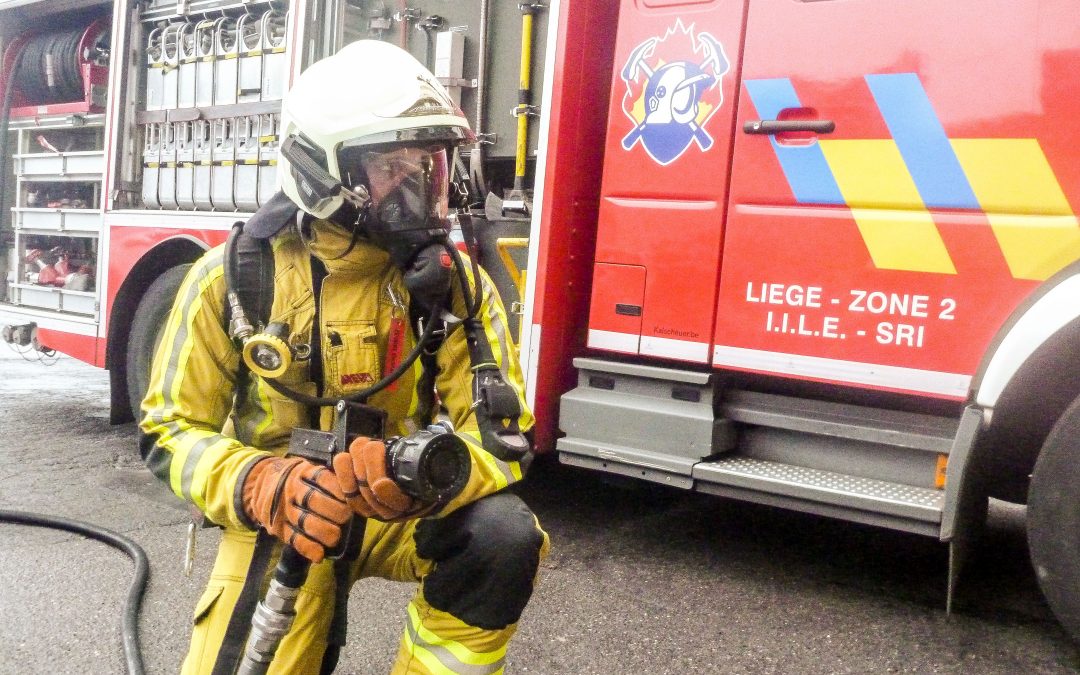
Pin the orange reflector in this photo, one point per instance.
(939, 473)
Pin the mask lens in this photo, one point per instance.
(440, 185)
(413, 178)
(409, 190)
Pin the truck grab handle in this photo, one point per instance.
(771, 127)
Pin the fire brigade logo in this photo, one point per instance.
(672, 90)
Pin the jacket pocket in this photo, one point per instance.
(352, 355)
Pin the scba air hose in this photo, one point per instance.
(130, 626)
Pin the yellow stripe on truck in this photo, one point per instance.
(898, 231)
(1024, 203)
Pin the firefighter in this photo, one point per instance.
(346, 284)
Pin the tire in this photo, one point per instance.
(1053, 519)
(147, 327)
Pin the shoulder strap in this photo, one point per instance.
(254, 277)
(254, 274)
(254, 271)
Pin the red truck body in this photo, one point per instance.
(818, 254)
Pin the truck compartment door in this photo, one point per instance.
(903, 178)
(615, 314)
(664, 181)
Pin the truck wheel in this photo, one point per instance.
(147, 327)
(1053, 519)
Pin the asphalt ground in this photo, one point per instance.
(639, 581)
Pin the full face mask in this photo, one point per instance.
(395, 192)
(409, 191)
(408, 188)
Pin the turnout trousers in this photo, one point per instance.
(476, 568)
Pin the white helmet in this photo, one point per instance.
(370, 96)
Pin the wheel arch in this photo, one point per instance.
(165, 255)
(1026, 381)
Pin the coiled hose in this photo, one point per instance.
(50, 70)
(130, 625)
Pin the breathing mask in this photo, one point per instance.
(396, 193)
(408, 191)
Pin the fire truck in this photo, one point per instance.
(814, 254)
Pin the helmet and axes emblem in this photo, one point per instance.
(670, 100)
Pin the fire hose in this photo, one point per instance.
(130, 624)
(50, 70)
(431, 465)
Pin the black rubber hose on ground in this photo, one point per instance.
(132, 654)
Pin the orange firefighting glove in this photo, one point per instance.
(369, 490)
(298, 502)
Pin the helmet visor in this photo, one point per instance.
(408, 185)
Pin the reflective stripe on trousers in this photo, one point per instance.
(437, 643)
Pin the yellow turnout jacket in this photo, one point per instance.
(206, 420)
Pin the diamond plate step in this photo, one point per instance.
(876, 502)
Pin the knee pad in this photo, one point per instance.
(486, 555)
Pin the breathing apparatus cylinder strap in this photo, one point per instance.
(249, 260)
(249, 272)
(255, 276)
(315, 362)
(232, 646)
(425, 388)
(339, 625)
(495, 401)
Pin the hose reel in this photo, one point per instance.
(59, 68)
